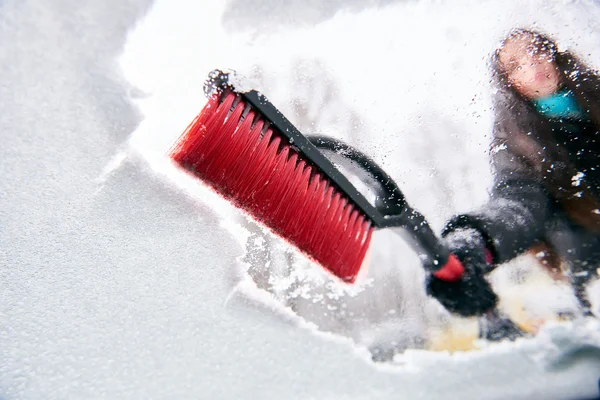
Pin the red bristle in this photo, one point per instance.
(268, 199)
(192, 139)
(322, 217)
(216, 146)
(211, 122)
(326, 193)
(240, 141)
(314, 199)
(294, 187)
(301, 180)
(350, 237)
(228, 144)
(239, 170)
(335, 207)
(302, 203)
(261, 173)
(339, 226)
(216, 118)
(255, 171)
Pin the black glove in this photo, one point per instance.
(471, 294)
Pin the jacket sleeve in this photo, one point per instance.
(514, 218)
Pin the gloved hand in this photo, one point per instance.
(471, 294)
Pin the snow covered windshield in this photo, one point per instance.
(123, 276)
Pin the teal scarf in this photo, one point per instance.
(559, 105)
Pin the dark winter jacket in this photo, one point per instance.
(547, 178)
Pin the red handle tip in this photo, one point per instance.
(452, 271)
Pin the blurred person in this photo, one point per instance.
(546, 194)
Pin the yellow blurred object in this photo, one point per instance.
(527, 322)
(459, 335)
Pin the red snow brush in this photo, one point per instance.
(246, 150)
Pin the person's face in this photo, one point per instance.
(531, 71)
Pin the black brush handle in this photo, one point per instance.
(390, 200)
(392, 204)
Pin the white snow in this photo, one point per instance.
(120, 277)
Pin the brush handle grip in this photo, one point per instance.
(413, 226)
(399, 216)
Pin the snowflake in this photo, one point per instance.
(576, 180)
